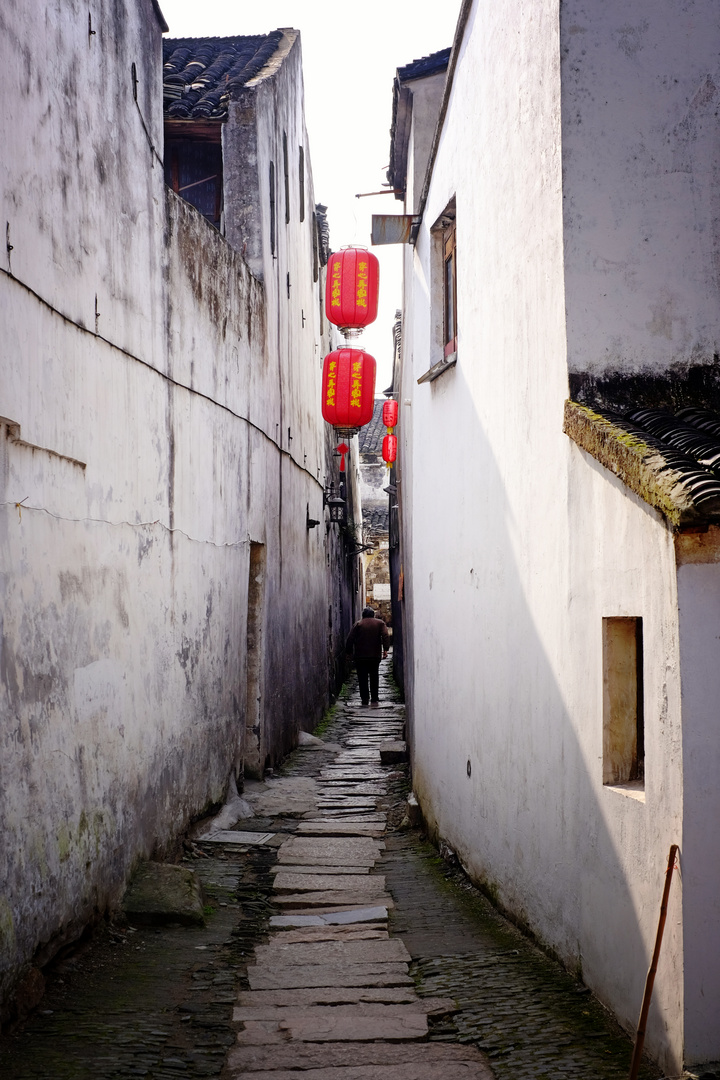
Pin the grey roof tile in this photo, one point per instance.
(375, 518)
(426, 65)
(200, 74)
(670, 459)
(371, 436)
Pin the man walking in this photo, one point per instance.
(368, 640)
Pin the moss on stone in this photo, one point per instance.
(641, 467)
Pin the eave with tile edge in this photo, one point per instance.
(642, 463)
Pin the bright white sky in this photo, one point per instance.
(350, 53)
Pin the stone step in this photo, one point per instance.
(262, 977)
(332, 995)
(393, 752)
(360, 884)
(338, 995)
(340, 828)
(330, 933)
(358, 1061)
(329, 897)
(345, 851)
(344, 916)
(276, 954)
(333, 1025)
(329, 869)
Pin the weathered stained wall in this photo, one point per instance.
(640, 96)
(503, 658)
(161, 414)
(268, 117)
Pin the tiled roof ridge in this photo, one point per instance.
(425, 65)
(219, 37)
(655, 454)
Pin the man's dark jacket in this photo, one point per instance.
(368, 638)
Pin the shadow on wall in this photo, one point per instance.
(498, 764)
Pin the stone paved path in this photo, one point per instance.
(330, 993)
(434, 981)
(340, 947)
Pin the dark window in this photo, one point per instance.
(272, 208)
(315, 246)
(623, 713)
(193, 169)
(286, 165)
(449, 290)
(301, 167)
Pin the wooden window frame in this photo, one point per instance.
(449, 289)
(301, 177)
(286, 169)
(273, 214)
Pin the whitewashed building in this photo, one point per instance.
(374, 479)
(173, 599)
(559, 390)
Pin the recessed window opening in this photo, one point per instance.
(286, 166)
(315, 247)
(194, 170)
(301, 171)
(623, 693)
(272, 208)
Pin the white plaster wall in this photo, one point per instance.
(505, 662)
(80, 187)
(641, 158)
(426, 99)
(146, 457)
(699, 604)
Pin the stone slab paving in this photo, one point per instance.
(359, 1021)
(341, 828)
(354, 932)
(471, 1070)
(328, 898)
(302, 869)
(358, 1061)
(338, 951)
(325, 850)
(287, 882)
(418, 979)
(331, 977)
(295, 978)
(341, 1008)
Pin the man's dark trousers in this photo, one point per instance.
(368, 668)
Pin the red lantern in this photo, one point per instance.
(348, 388)
(389, 448)
(390, 413)
(351, 294)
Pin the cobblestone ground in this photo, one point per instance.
(305, 994)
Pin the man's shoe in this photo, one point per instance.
(374, 704)
(364, 704)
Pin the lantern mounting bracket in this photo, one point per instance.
(365, 547)
(310, 523)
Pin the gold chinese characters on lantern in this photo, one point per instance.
(351, 296)
(348, 388)
(389, 446)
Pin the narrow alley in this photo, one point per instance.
(338, 945)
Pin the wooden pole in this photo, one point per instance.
(649, 981)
